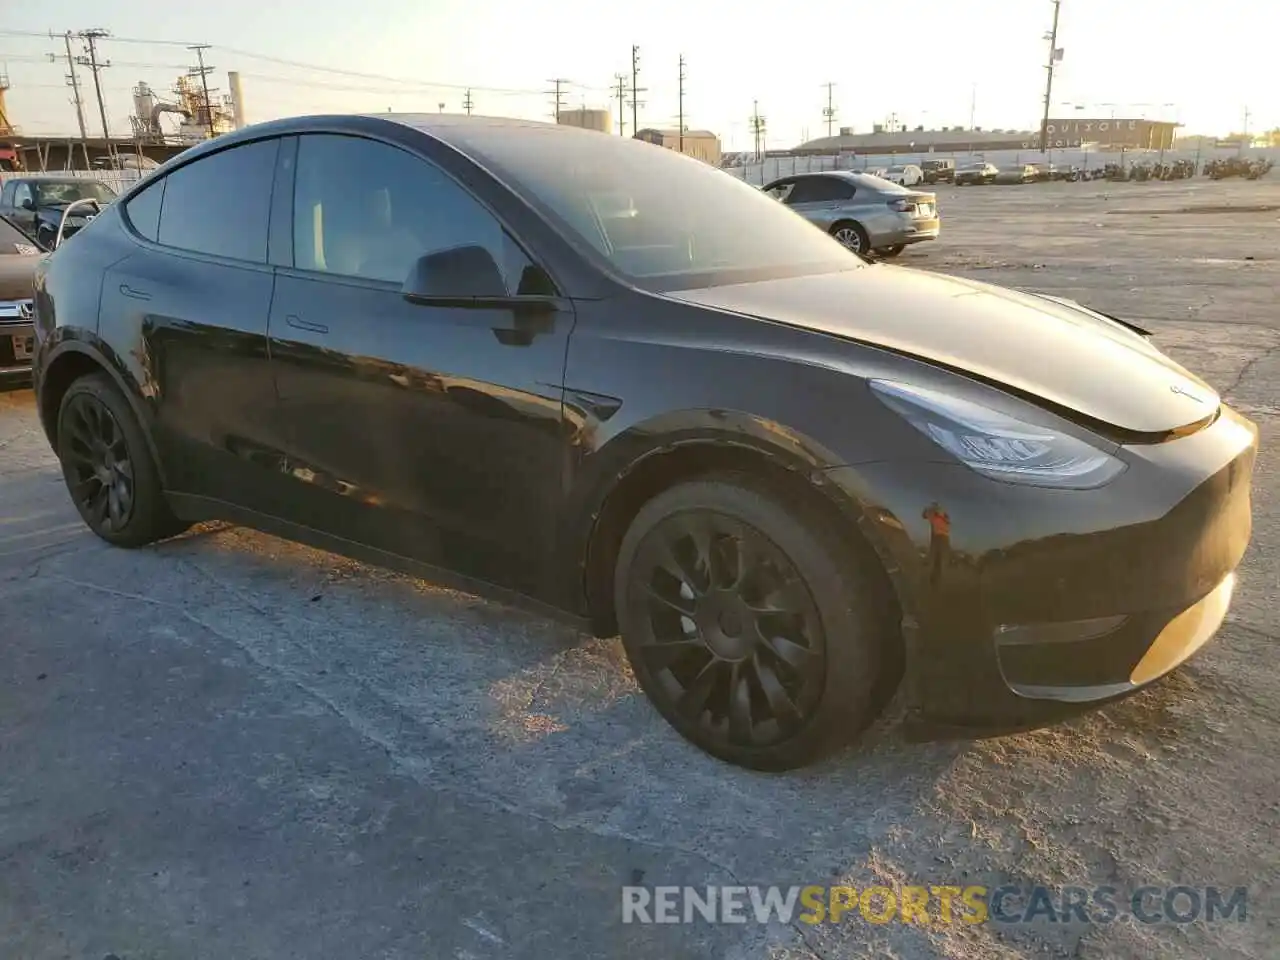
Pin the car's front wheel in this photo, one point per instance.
(752, 626)
(108, 468)
(852, 235)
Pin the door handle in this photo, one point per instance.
(299, 324)
(134, 293)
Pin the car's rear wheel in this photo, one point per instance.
(108, 468)
(851, 234)
(755, 630)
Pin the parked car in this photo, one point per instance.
(905, 175)
(127, 162)
(976, 174)
(787, 476)
(19, 255)
(865, 213)
(35, 204)
(939, 171)
(1017, 173)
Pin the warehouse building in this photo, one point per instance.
(700, 144)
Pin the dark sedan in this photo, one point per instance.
(607, 381)
(36, 204)
(19, 255)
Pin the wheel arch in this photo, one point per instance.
(72, 359)
(784, 460)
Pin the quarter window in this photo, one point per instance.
(221, 204)
(143, 210)
(369, 210)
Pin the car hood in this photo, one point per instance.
(17, 275)
(1053, 349)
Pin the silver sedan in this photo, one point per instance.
(864, 212)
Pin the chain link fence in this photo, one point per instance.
(771, 168)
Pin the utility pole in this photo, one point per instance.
(757, 127)
(467, 102)
(680, 118)
(559, 97)
(74, 83)
(635, 90)
(91, 38)
(203, 73)
(622, 101)
(1048, 81)
(829, 111)
(973, 104)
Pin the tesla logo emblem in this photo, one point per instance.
(1183, 393)
(25, 310)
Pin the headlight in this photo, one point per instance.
(998, 445)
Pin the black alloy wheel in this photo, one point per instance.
(726, 601)
(108, 468)
(98, 465)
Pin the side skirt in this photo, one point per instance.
(196, 509)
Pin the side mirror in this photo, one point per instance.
(459, 273)
(469, 277)
(27, 204)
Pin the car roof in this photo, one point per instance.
(51, 178)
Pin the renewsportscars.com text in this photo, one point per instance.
(941, 904)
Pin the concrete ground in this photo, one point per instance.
(229, 746)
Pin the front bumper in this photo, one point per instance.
(17, 330)
(1020, 604)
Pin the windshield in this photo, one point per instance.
(58, 192)
(663, 220)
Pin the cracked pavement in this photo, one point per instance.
(233, 746)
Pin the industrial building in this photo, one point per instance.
(588, 119)
(701, 144)
(947, 140)
(160, 128)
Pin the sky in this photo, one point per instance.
(927, 62)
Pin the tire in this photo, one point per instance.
(890, 252)
(107, 466)
(852, 235)
(806, 674)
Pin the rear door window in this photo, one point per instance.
(820, 190)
